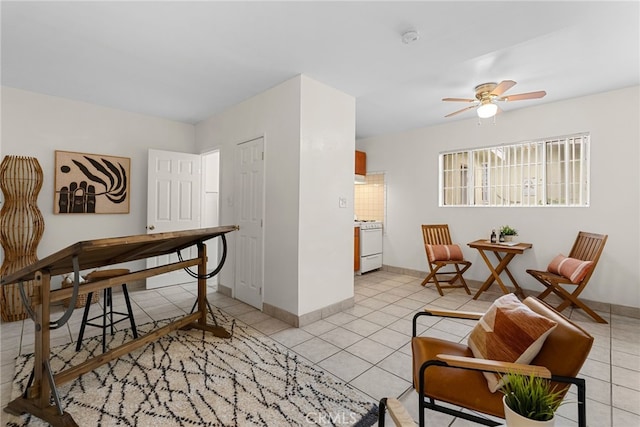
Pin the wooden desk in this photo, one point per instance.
(504, 253)
(42, 387)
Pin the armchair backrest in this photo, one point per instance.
(588, 247)
(436, 234)
(566, 349)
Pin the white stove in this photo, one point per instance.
(368, 225)
(370, 245)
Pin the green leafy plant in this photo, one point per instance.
(508, 231)
(531, 396)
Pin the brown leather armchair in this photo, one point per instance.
(445, 371)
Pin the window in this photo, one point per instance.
(551, 172)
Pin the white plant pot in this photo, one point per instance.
(514, 419)
(508, 238)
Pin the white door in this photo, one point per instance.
(249, 209)
(173, 204)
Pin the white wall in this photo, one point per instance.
(36, 125)
(327, 159)
(274, 115)
(410, 161)
(308, 129)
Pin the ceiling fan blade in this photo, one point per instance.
(521, 96)
(458, 99)
(460, 111)
(504, 86)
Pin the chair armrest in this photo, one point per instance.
(494, 366)
(454, 313)
(397, 412)
(444, 313)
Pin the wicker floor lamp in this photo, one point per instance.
(21, 227)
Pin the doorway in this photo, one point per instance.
(182, 194)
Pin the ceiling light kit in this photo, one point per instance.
(488, 95)
(487, 109)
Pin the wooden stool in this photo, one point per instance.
(107, 303)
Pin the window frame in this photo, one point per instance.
(561, 174)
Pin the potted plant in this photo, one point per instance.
(508, 232)
(529, 401)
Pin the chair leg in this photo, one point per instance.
(382, 409)
(546, 292)
(433, 275)
(438, 287)
(459, 276)
(571, 299)
(107, 303)
(85, 315)
(129, 310)
(428, 278)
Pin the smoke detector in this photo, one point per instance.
(410, 36)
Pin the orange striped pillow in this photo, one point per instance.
(570, 268)
(510, 332)
(444, 253)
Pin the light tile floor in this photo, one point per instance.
(368, 345)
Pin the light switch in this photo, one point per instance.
(342, 202)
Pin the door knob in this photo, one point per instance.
(151, 227)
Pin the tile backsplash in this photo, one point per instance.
(370, 198)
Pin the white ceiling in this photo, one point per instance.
(190, 60)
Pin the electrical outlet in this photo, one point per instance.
(342, 202)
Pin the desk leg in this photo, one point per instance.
(518, 289)
(37, 399)
(487, 283)
(201, 302)
(495, 272)
(502, 265)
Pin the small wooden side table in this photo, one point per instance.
(504, 252)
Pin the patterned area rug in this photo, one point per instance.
(190, 378)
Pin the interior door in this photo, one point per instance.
(173, 204)
(249, 214)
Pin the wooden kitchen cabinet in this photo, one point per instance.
(356, 248)
(361, 163)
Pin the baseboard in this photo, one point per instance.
(224, 290)
(293, 319)
(619, 310)
(308, 318)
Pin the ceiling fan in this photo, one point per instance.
(489, 94)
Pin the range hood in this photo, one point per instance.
(360, 179)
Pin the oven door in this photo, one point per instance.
(370, 241)
(370, 262)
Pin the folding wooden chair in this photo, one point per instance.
(437, 240)
(587, 247)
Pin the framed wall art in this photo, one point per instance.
(91, 183)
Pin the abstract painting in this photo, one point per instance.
(91, 183)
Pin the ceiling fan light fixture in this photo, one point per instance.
(487, 109)
(489, 95)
